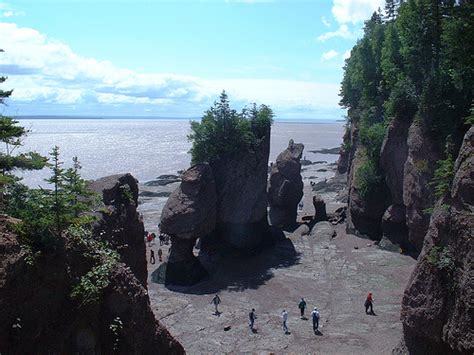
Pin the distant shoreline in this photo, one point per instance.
(64, 117)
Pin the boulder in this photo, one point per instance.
(286, 186)
(323, 231)
(189, 213)
(437, 309)
(119, 221)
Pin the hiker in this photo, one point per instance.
(161, 238)
(284, 317)
(301, 205)
(315, 316)
(216, 300)
(153, 237)
(369, 304)
(160, 254)
(152, 257)
(149, 239)
(302, 306)
(252, 317)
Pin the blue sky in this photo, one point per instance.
(172, 58)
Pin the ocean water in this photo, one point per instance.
(148, 148)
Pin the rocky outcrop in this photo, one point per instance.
(241, 183)
(417, 192)
(393, 155)
(343, 162)
(39, 315)
(286, 186)
(437, 309)
(189, 214)
(319, 209)
(119, 222)
(365, 213)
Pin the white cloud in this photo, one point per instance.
(6, 10)
(48, 73)
(325, 22)
(346, 55)
(354, 11)
(329, 55)
(342, 32)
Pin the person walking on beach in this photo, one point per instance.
(152, 257)
(302, 306)
(315, 316)
(216, 301)
(284, 318)
(149, 239)
(252, 317)
(369, 304)
(160, 255)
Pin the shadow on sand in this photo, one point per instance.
(237, 272)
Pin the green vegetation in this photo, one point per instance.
(223, 132)
(416, 63)
(51, 219)
(46, 214)
(90, 286)
(12, 135)
(441, 258)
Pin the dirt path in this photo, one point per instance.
(334, 276)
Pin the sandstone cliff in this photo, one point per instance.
(437, 308)
(38, 310)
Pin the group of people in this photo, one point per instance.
(315, 316)
(164, 239)
(284, 314)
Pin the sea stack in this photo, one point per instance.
(189, 213)
(286, 186)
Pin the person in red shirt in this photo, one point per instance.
(369, 304)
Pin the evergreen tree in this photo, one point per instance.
(12, 135)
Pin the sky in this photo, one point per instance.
(173, 58)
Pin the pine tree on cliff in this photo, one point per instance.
(12, 135)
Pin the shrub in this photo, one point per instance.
(368, 179)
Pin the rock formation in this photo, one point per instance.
(418, 172)
(393, 155)
(37, 310)
(119, 222)
(319, 209)
(241, 185)
(437, 308)
(189, 213)
(286, 186)
(364, 213)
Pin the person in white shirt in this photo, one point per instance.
(315, 316)
(284, 317)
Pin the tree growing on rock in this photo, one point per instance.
(12, 135)
(224, 132)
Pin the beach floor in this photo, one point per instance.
(334, 276)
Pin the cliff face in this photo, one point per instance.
(408, 159)
(37, 309)
(437, 308)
